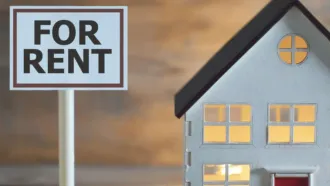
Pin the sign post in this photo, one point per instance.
(66, 137)
(68, 48)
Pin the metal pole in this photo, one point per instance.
(66, 137)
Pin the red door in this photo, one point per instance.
(294, 181)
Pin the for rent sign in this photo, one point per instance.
(53, 48)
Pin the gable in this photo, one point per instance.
(260, 77)
(225, 58)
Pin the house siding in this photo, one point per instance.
(260, 78)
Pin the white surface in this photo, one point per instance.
(66, 137)
(111, 33)
(260, 78)
(296, 169)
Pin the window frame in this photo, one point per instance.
(293, 49)
(292, 123)
(227, 123)
(226, 181)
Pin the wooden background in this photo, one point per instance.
(169, 40)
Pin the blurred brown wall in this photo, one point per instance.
(169, 40)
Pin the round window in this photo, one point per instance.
(293, 49)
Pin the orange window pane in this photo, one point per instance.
(300, 57)
(300, 42)
(286, 56)
(214, 134)
(304, 134)
(240, 113)
(286, 42)
(239, 134)
(304, 113)
(215, 113)
(238, 173)
(279, 113)
(278, 134)
(214, 173)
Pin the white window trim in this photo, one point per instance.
(226, 182)
(292, 170)
(293, 48)
(292, 124)
(227, 124)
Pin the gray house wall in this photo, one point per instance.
(260, 78)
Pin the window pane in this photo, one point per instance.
(214, 134)
(300, 42)
(278, 134)
(279, 113)
(215, 113)
(214, 173)
(239, 134)
(240, 113)
(286, 57)
(303, 134)
(286, 42)
(239, 172)
(300, 57)
(304, 113)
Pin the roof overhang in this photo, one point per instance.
(235, 48)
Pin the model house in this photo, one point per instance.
(258, 113)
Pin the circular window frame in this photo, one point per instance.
(293, 49)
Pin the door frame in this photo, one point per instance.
(293, 172)
(309, 175)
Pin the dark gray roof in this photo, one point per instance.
(235, 48)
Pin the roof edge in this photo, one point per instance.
(313, 19)
(250, 34)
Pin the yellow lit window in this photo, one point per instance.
(238, 173)
(214, 134)
(304, 134)
(278, 134)
(230, 175)
(286, 42)
(239, 134)
(304, 113)
(240, 113)
(293, 49)
(286, 56)
(279, 113)
(213, 173)
(215, 113)
(228, 130)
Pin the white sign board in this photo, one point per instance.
(68, 47)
